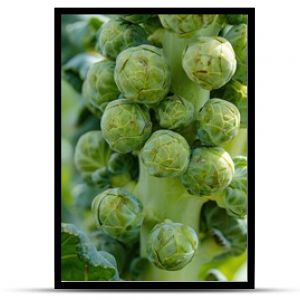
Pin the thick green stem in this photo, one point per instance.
(166, 198)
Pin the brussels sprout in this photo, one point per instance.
(236, 93)
(118, 35)
(210, 62)
(236, 195)
(99, 87)
(237, 36)
(136, 19)
(171, 246)
(125, 125)
(142, 74)
(187, 23)
(91, 154)
(229, 232)
(210, 170)
(119, 214)
(218, 122)
(99, 166)
(215, 275)
(174, 112)
(166, 154)
(236, 19)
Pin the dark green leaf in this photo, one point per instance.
(80, 260)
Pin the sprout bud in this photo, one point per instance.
(210, 171)
(166, 154)
(218, 122)
(210, 62)
(125, 125)
(91, 155)
(171, 246)
(119, 214)
(142, 74)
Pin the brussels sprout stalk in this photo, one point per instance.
(175, 188)
(166, 198)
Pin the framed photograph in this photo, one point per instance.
(154, 148)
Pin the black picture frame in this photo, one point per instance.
(163, 285)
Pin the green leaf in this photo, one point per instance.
(80, 260)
